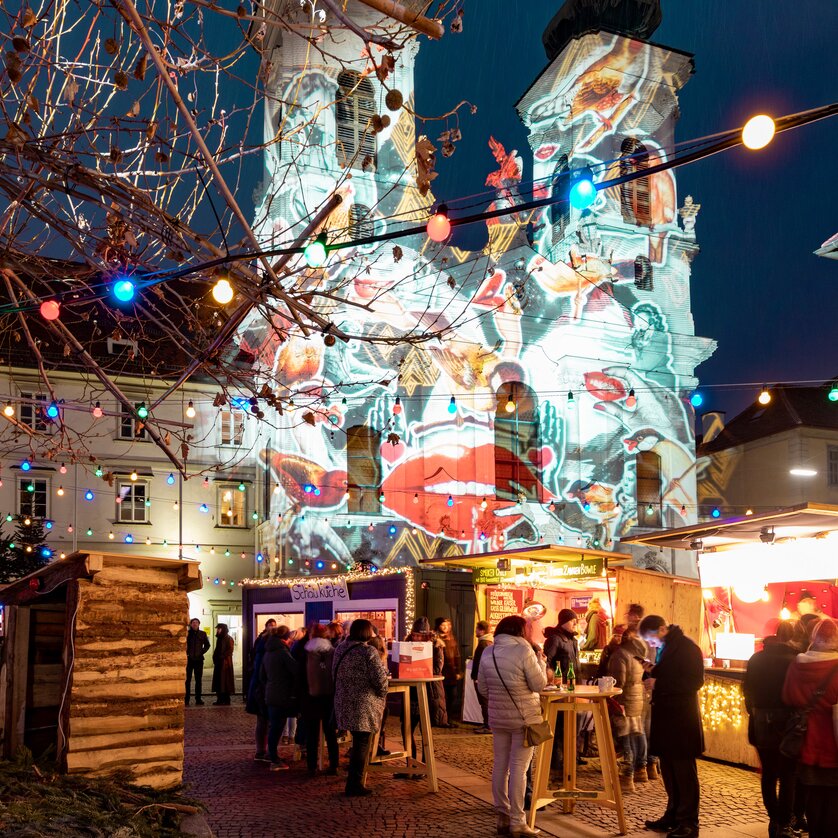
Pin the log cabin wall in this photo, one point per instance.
(126, 683)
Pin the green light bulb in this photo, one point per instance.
(315, 252)
(142, 411)
(89, 531)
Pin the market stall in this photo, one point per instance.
(540, 581)
(755, 570)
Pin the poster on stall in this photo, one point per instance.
(502, 602)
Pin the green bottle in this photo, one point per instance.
(571, 678)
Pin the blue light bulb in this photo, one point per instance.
(123, 290)
(260, 558)
(129, 539)
(583, 192)
(25, 465)
(203, 507)
(696, 399)
(319, 565)
(46, 552)
(452, 405)
(450, 500)
(716, 513)
(88, 495)
(52, 410)
(48, 524)
(308, 488)
(392, 529)
(170, 479)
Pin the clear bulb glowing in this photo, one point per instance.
(758, 132)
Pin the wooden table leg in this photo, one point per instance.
(427, 736)
(541, 772)
(569, 754)
(406, 720)
(608, 761)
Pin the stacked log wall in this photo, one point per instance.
(126, 693)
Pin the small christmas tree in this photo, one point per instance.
(26, 551)
(365, 556)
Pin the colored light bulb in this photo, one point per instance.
(50, 309)
(9, 410)
(25, 465)
(439, 225)
(631, 399)
(170, 479)
(582, 192)
(696, 399)
(397, 407)
(452, 405)
(510, 404)
(315, 252)
(142, 411)
(124, 290)
(97, 411)
(222, 291)
(450, 500)
(758, 132)
(764, 397)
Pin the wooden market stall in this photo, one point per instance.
(753, 570)
(92, 667)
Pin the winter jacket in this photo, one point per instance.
(319, 656)
(560, 646)
(197, 643)
(804, 675)
(483, 643)
(451, 659)
(360, 687)
(280, 676)
(676, 731)
(763, 692)
(524, 677)
(626, 670)
(596, 635)
(223, 679)
(256, 689)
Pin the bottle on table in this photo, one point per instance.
(571, 678)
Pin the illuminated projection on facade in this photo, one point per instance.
(556, 406)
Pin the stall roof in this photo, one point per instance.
(86, 565)
(801, 521)
(545, 553)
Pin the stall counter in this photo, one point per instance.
(725, 719)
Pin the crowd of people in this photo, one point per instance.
(334, 679)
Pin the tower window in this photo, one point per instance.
(560, 213)
(355, 109)
(360, 222)
(634, 195)
(363, 469)
(649, 500)
(517, 456)
(643, 279)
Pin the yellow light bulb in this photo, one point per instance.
(134, 476)
(785, 614)
(111, 536)
(190, 411)
(510, 405)
(60, 491)
(758, 132)
(764, 396)
(222, 291)
(9, 410)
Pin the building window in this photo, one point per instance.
(360, 222)
(32, 497)
(33, 411)
(832, 465)
(517, 454)
(363, 468)
(129, 426)
(354, 110)
(232, 426)
(232, 506)
(560, 213)
(648, 488)
(643, 279)
(132, 509)
(634, 194)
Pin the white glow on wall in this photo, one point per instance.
(735, 646)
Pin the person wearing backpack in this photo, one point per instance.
(318, 699)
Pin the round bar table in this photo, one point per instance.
(584, 699)
(401, 686)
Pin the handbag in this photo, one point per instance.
(534, 734)
(794, 737)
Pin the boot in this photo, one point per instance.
(653, 771)
(523, 831)
(641, 775)
(503, 824)
(627, 783)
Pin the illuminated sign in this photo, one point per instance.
(584, 569)
(306, 591)
(490, 575)
(502, 603)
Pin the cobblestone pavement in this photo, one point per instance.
(245, 800)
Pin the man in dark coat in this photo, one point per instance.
(223, 679)
(280, 675)
(767, 720)
(560, 645)
(484, 640)
(197, 644)
(676, 735)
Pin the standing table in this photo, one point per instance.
(583, 700)
(401, 686)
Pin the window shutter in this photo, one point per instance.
(354, 111)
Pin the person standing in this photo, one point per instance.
(360, 692)
(197, 645)
(318, 699)
(812, 682)
(561, 647)
(596, 632)
(484, 640)
(451, 667)
(280, 675)
(625, 668)
(511, 678)
(255, 701)
(677, 737)
(223, 678)
(767, 720)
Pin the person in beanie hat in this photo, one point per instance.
(811, 672)
(560, 643)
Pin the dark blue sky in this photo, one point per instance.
(756, 286)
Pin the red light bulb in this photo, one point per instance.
(50, 309)
(439, 225)
(97, 411)
(631, 399)
(397, 407)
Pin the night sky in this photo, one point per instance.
(757, 288)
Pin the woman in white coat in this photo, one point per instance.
(510, 678)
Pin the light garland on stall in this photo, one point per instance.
(350, 576)
(722, 705)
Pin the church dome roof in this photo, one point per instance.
(635, 18)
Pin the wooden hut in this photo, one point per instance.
(93, 663)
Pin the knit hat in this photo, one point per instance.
(825, 636)
(566, 614)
